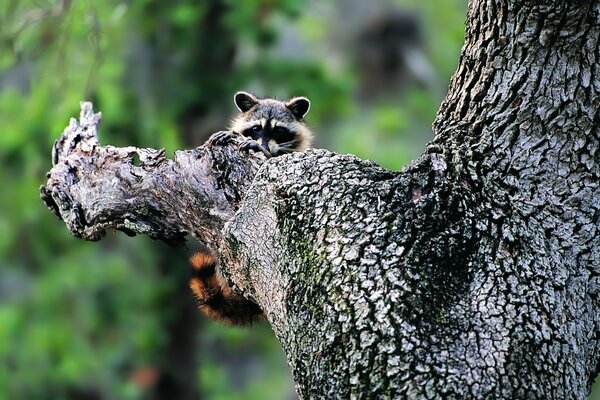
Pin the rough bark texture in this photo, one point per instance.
(472, 273)
(95, 188)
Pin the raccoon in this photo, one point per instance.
(271, 126)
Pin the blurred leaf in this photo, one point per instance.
(390, 120)
(76, 315)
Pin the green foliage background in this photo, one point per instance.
(103, 320)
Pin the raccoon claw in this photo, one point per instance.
(220, 138)
(251, 144)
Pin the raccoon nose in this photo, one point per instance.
(265, 143)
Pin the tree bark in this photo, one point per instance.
(472, 273)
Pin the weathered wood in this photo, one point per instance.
(95, 188)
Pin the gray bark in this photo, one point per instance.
(95, 188)
(472, 273)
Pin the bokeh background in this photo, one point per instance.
(114, 319)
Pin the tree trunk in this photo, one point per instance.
(472, 273)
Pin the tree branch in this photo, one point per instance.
(93, 188)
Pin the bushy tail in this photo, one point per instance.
(216, 299)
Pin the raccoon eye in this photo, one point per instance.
(256, 128)
(282, 134)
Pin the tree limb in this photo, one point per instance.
(94, 188)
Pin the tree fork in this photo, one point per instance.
(472, 273)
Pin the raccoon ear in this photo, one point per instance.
(299, 106)
(244, 101)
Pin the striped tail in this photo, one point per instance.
(216, 299)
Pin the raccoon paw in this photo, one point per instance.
(220, 138)
(252, 144)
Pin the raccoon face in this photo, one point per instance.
(276, 125)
